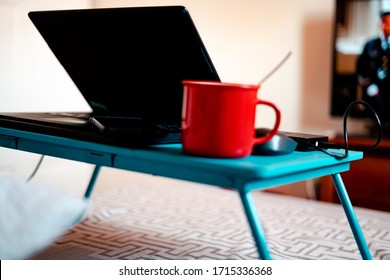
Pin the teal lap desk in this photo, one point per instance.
(243, 175)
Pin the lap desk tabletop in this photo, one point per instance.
(243, 174)
(170, 161)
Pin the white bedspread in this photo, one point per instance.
(146, 217)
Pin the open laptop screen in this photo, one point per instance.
(128, 61)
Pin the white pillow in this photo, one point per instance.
(33, 216)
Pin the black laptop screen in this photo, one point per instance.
(128, 61)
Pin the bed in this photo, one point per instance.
(149, 217)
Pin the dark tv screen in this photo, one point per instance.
(361, 58)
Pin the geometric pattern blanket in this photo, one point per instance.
(149, 217)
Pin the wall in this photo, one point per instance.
(32, 79)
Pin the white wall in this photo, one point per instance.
(31, 78)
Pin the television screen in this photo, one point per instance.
(361, 57)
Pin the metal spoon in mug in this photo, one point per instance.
(275, 68)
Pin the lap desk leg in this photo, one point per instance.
(258, 232)
(255, 225)
(350, 213)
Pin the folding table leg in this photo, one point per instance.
(87, 194)
(254, 223)
(92, 182)
(353, 222)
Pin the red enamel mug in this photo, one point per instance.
(218, 119)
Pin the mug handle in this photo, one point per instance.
(263, 139)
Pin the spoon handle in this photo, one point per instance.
(276, 68)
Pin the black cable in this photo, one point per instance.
(377, 122)
(345, 133)
(36, 169)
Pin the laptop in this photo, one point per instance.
(129, 64)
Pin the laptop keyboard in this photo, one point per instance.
(170, 127)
